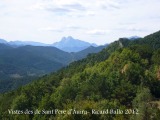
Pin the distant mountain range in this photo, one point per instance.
(67, 44)
(23, 43)
(3, 41)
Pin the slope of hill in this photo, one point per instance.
(3, 41)
(4, 47)
(70, 44)
(120, 82)
(152, 40)
(28, 62)
(20, 65)
(82, 54)
(51, 53)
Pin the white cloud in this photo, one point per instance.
(130, 28)
(61, 29)
(51, 29)
(58, 18)
(73, 27)
(135, 29)
(60, 7)
(109, 4)
(90, 13)
(76, 7)
(97, 32)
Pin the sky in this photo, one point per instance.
(94, 21)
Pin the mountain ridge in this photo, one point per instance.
(3, 41)
(70, 44)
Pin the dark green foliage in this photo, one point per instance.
(155, 57)
(151, 40)
(147, 109)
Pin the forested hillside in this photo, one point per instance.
(21, 65)
(122, 82)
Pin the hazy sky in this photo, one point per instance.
(98, 21)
